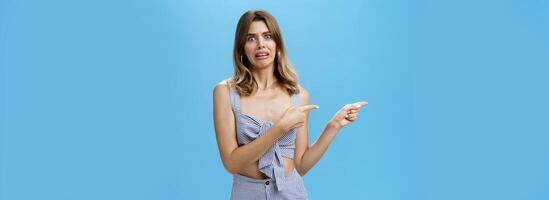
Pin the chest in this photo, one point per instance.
(267, 107)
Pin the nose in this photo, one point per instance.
(260, 43)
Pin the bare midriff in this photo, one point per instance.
(252, 171)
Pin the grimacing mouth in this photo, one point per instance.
(262, 53)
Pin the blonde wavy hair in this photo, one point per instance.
(243, 79)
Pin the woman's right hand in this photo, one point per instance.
(295, 117)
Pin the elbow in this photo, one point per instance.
(230, 168)
(301, 172)
(230, 164)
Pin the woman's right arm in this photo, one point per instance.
(235, 158)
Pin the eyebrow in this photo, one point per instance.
(267, 32)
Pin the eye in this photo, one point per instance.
(251, 39)
(268, 36)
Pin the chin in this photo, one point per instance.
(262, 65)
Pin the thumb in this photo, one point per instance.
(308, 107)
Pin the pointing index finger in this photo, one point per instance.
(308, 107)
(359, 104)
(362, 103)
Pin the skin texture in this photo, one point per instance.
(269, 102)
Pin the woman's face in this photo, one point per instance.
(260, 46)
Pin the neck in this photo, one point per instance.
(264, 78)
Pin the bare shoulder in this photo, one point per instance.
(303, 95)
(221, 88)
(221, 93)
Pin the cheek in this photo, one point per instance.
(248, 49)
(272, 45)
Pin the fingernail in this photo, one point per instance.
(317, 107)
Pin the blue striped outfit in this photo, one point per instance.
(278, 185)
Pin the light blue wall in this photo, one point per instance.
(113, 99)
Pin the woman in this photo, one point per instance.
(260, 116)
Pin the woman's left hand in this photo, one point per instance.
(348, 114)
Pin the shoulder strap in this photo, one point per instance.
(235, 98)
(296, 98)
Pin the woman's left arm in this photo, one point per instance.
(307, 156)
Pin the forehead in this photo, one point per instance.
(258, 27)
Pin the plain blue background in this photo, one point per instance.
(113, 99)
